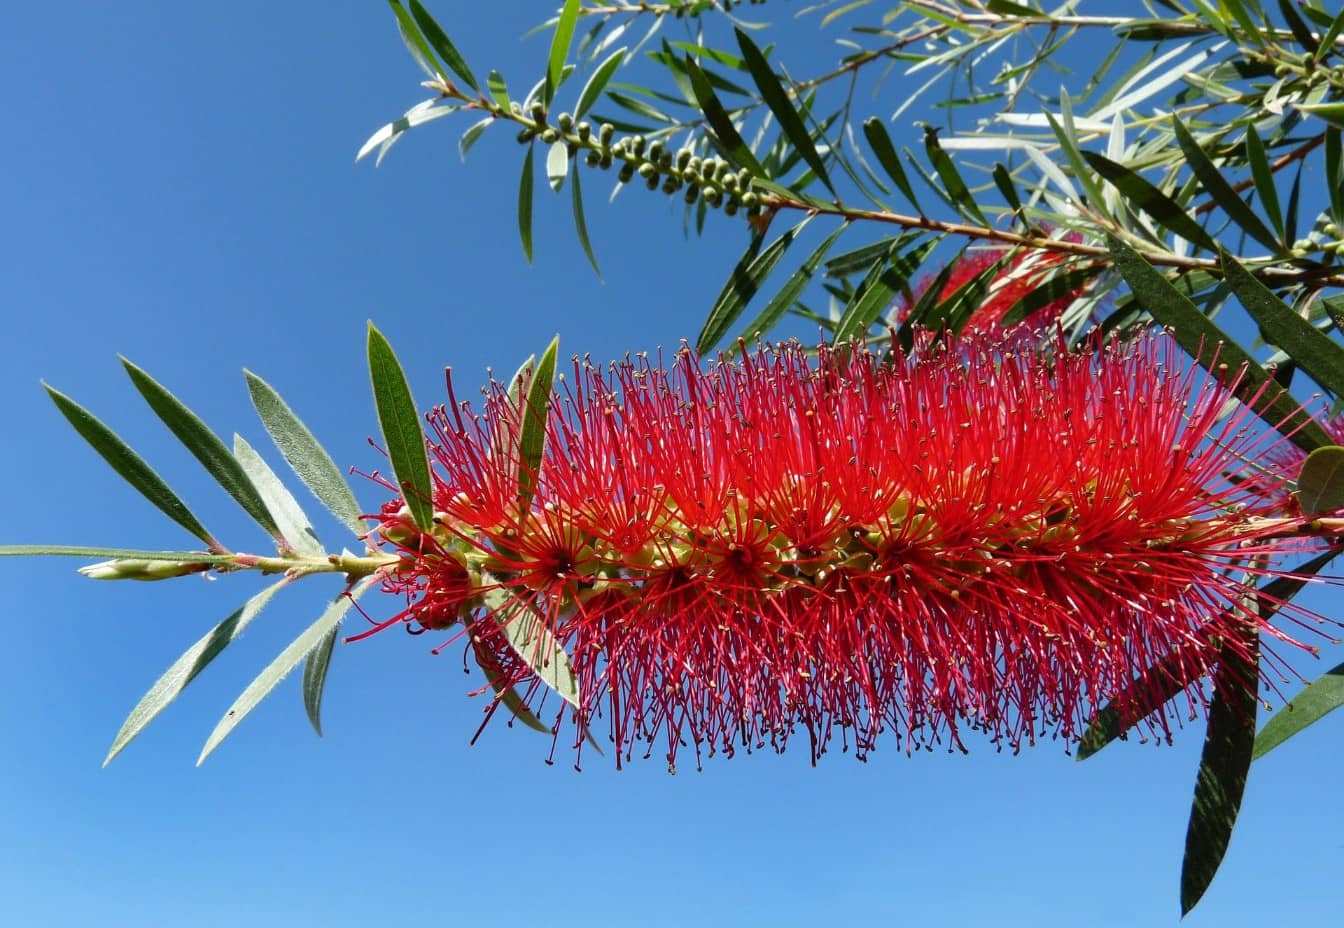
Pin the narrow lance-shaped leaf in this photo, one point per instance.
(1308, 707)
(560, 41)
(875, 295)
(880, 142)
(580, 222)
(532, 641)
(731, 142)
(204, 445)
(743, 283)
(1223, 768)
(315, 668)
(1139, 193)
(1165, 681)
(304, 453)
(772, 92)
(525, 205)
(415, 42)
(436, 37)
(532, 423)
(1041, 295)
(130, 466)
(956, 188)
(294, 525)
(1263, 177)
(1222, 192)
(1313, 350)
(280, 668)
(186, 668)
(134, 554)
(782, 301)
(1207, 344)
(402, 434)
(597, 82)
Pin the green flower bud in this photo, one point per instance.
(671, 184)
(626, 173)
(656, 150)
(538, 113)
(647, 170)
(525, 136)
(636, 143)
(585, 130)
(605, 133)
(550, 136)
(593, 159)
(565, 122)
(683, 158)
(692, 193)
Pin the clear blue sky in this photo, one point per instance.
(179, 186)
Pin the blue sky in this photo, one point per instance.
(180, 187)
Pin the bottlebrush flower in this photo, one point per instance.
(733, 555)
(1024, 271)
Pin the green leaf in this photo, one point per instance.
(560, 41)
(304, 453)
(443, 45)
(535, 410)
(402, 434)
(1166, 680)
(557, 165)
(1334, 168)
(772, 92)
(880, 142)
(309, 641)
(1221, 191)
(957, 192)
(1223, 768)
(734, 148)
(1044, 293)
(743, 284)
(185, 669)
(782, 301)
(130, 466)
(597, 82)
(1312, 349)
(532, 641)
(889, 275)
(474, 132)
(513, 702)
(1006, 8)
(1314, 703)
(1263, 176)
(315, 669)
(525, 205)
(1140, 193)
(415, 42)
(135, 554)
(499, 91)
(580, 223)
(1208, 345)
(1299, 28)
(1004, 182)
(204, 445)
(1331, 112)
(295, 528)
(1320, 483)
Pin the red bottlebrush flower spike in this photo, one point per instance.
(1024, 271)
(968, 540)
